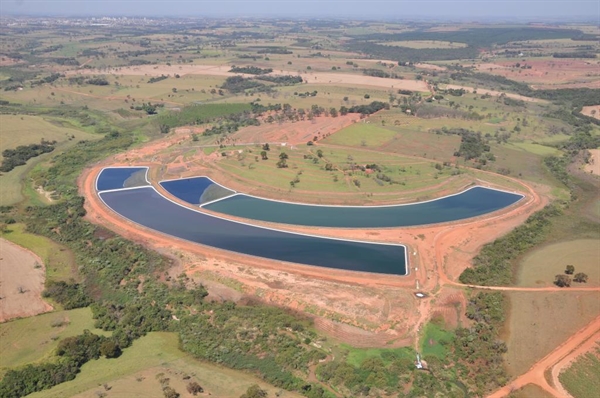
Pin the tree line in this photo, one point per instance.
(21, 154)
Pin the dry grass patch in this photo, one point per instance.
(419, 44)
(540, 321)
(539, 267)
(21, 282)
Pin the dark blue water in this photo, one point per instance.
(189, 190)
(470, 203)
(147, 207)
(114, 178)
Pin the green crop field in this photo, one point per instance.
(59, 261)
(582, 378)
(539, 267)
(136, 372)
(34, 339)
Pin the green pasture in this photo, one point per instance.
(435, 341)
(409, 173)
(137, 371)
(59, 261)
(361, 134)
(356, 356)
(34, 339)
(539, 267)
(25, 130)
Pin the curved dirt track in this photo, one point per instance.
(565, 352)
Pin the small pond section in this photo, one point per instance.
(121, 177)
(196, 190)
(147, 207)
(473, 202)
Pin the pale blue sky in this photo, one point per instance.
(390, 9)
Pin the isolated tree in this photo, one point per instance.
(169, 392)
(283, 156)
(562, 281)
(266, 147)
(194, 388)
(254, 391)
(263, 155)
(580, 277)
(164, 129)
(570, 269)
(319, 153)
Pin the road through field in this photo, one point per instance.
(536, 374)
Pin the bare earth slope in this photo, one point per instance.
(22, 277)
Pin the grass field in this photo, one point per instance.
(409, 173)
(531, 391)
(435, 340)
(540, 321)
(424, 44)
(536, 149)
(25, 130)
(356, 356)
(33, 339)
(539, 267)
(582, 378)
(59, 261)
(136, 373)
(362, 134)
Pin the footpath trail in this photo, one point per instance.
(567, 350)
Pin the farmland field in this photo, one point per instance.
(540, 267)
(59, 261)
(25, 130)
(532, 326)
(137, 372)
(34, 339)
(582, 378)
(425, 44)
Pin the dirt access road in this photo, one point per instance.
(563, 354)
